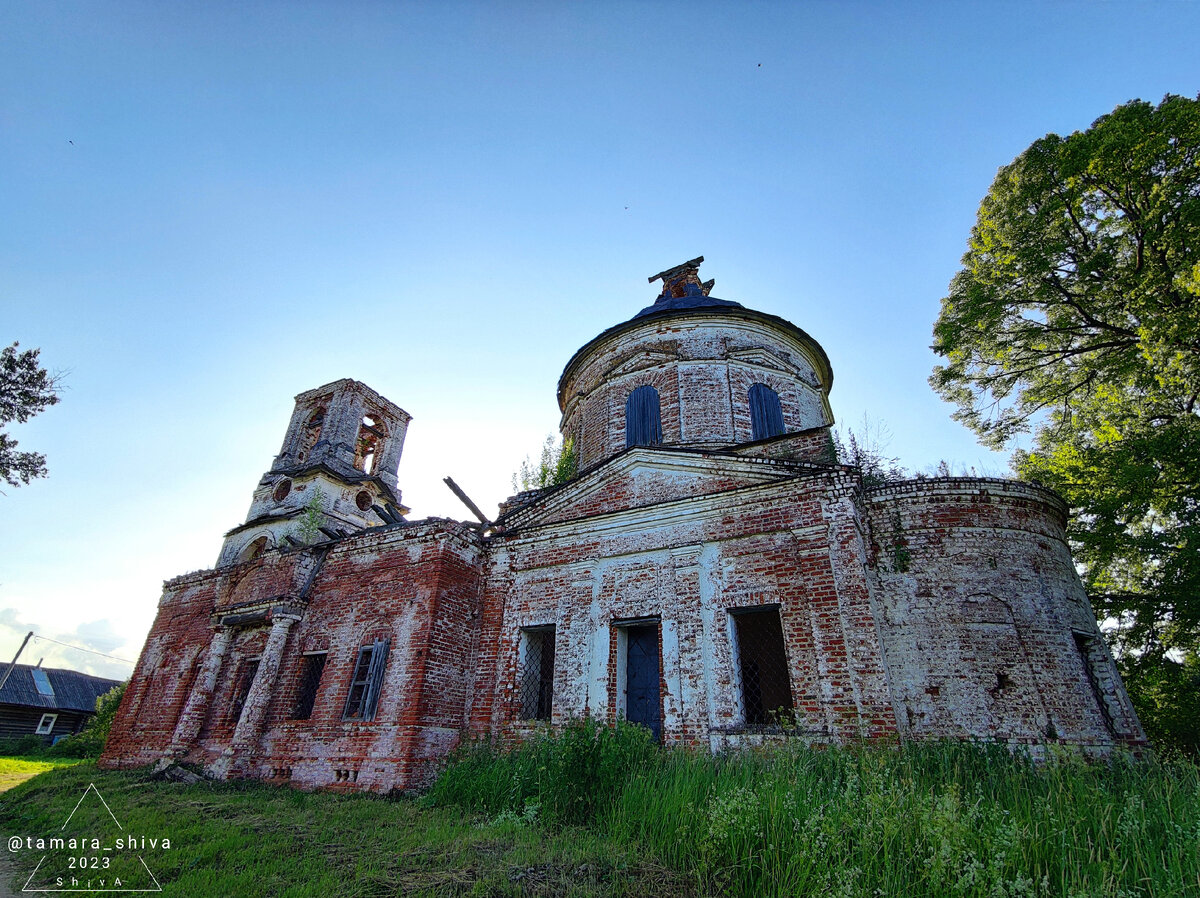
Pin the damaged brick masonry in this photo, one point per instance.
(712, 573)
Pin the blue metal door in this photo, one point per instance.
(641, 679)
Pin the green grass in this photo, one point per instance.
(597, 811)
(250, 839)
(14, 771)
(934, 819)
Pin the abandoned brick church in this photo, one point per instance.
(711, 573)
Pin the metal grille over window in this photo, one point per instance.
(643, 423)
(311, 667)
(242, 689)
(536, 674)
(766, 414)
(366, 681)
(766, 685)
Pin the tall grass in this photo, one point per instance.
(568, 778)
(949, 819)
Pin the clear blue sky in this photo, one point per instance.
(208, 208)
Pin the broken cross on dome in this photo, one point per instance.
(683, 280)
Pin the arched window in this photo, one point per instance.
(255, 548)
(766, 415)
(370, 435)
(643, 425)
(312, 432)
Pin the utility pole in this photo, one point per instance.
(13, 663)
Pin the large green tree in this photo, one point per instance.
(26, 388)
(1076, 319)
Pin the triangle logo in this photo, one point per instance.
(92, 852)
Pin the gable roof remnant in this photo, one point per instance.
(70, 690)
(752, 470)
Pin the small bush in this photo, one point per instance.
(30, 745)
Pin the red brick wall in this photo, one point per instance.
(165, 671)
(418, 586)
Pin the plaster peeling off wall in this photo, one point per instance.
(982, 616)
(687, 570)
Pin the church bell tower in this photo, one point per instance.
(335, 473)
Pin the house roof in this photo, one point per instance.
(47, 687)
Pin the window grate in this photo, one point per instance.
(311, 668)
(536, 674)
(766, 680)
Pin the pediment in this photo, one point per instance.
(638, 361)
(764, 358)
(644, 476)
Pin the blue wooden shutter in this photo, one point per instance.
(766, 415)
(643, 423)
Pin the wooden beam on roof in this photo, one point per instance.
(466, 500)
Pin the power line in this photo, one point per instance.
(82, 649)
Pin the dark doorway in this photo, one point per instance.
(641, 678)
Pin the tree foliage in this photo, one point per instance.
(1076, 317)
(557, 464)
(26, 388)
(89, 742)
(1083, 273)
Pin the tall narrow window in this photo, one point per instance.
(370, 434)
(366, 681)
(312, 432)
(311, 668)
(241, 689)
(643, 423)
(536, 672)
(766, 414)
(766, 685)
